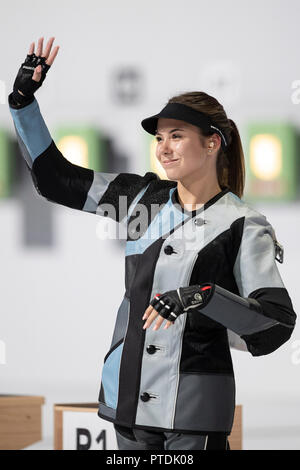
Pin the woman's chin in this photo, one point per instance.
(173, 174)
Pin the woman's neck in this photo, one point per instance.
(195, 195)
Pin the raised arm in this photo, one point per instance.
(54, 177)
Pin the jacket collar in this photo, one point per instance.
(213, 200)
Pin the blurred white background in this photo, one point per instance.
(58, 305)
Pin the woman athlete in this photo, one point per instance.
(198, 259)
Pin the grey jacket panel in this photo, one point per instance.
(212, 408)
(236, 313)
(255, 265)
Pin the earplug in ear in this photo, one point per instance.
(211, 145)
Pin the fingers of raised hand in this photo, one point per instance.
(48, 48)
(31, 48)
(37, 74)
(50, 56)
(39, 49)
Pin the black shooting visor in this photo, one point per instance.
(183, 113)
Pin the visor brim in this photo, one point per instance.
(150, 124)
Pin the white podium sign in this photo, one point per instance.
(84, 430)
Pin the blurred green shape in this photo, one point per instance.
(83, 146)
(7, 164)
(272, 163)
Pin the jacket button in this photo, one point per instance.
(145, 396)
(199, 222)
(151, 349)
(168, 250)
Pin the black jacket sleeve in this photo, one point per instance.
(60, 181)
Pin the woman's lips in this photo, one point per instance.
(170, 162)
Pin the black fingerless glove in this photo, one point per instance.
(24, 82)
(173, 303)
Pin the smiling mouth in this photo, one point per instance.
(169, 162)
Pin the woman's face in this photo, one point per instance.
(179, 149)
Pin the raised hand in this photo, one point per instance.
(33, 71)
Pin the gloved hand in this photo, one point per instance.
(33, 72)
(173, 303)
(24, 82)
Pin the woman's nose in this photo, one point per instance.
(165, 147)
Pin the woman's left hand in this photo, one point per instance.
(173, 303)
(168, 306)
(150, 314)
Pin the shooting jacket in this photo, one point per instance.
(180, 379)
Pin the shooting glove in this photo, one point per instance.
(24, 82)
(173, 303)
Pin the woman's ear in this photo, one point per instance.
(213, 143)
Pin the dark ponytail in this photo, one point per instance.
(236, 162)
(230, 164)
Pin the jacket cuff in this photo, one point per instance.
(14, 105)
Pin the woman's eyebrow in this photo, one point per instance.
(177, 129)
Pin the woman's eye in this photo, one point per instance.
(173, 135)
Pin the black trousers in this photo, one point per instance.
(139, 439)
